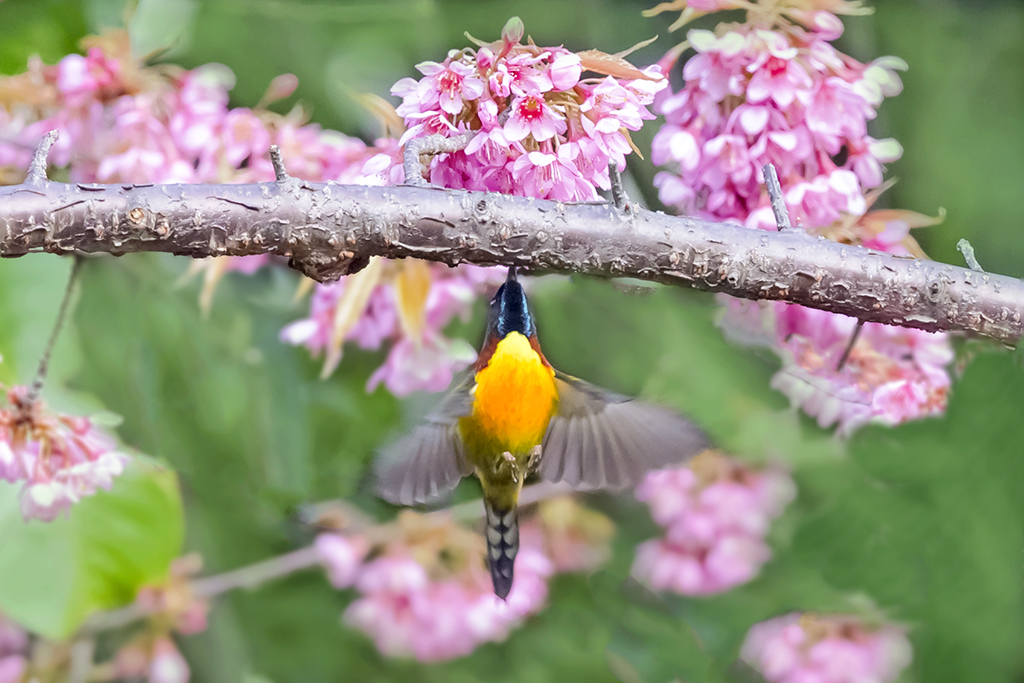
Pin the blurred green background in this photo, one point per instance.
(922, 524)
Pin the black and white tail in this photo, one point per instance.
(502, 546)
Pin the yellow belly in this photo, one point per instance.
(513, 402)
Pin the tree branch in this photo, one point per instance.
(328, 230)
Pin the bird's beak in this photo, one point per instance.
(514, 313)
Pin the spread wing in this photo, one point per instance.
(602, 440)
(429, 461)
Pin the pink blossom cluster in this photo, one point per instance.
(540, 129)
(13, 650)
(890, 375)
(754, 95)
(426, 593)
(715, 517)
(59, 459)
(420, 356)
(417, 608)
(826, 649)
(122, 121)
(775, 90)
(409, 615)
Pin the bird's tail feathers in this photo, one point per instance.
(502, 546)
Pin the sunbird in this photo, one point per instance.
(514, 417)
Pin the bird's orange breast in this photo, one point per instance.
(514, 399)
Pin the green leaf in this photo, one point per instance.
(52, 576)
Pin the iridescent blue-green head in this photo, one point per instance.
(509, 311)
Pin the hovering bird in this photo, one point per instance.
(515, 416)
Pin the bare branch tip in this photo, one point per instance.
(619, 196)
(965, 248)
(62, 313)
(417, 153)
(280, 174)
(849, 346)
(37, 169)
(771, 182)
(412, 164)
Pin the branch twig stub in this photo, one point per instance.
(771, 181)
